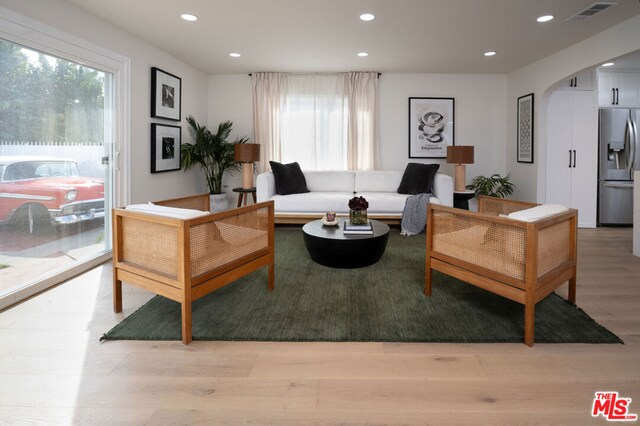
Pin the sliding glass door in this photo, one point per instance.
(56, 175)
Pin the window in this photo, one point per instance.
(322, 121)
(314, 119)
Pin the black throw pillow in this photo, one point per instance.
(418, 178)
(289, 178)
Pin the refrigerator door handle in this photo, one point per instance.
(619, 185)
(613, 96)
(575, 161)
(634, 146)
(569, 158)
(630, 139)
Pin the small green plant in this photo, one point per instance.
(493, 186)
(2, 266)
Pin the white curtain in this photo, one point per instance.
(313, 123)
(362, 89)
(268, 88)
(322, 121)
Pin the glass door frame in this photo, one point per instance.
(30, 33)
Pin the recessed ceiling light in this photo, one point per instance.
(189, 17)
(363, 54)
(544, 18)
(489, 53)
(608, 64)
(234, 55)
(367, 17)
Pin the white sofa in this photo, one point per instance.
(331, 191)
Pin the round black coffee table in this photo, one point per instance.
(328, 246)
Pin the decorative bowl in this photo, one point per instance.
(325, 222)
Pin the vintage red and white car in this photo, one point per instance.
(40, 191)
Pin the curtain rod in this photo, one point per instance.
(250, 74)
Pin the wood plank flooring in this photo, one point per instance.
(53, 370)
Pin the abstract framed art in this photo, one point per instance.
(525, 129)
(431, 127)
(166, 95)
(165, 147)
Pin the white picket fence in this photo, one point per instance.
(88, 155)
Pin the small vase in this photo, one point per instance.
(358, 217)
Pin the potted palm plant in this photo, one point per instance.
(214, 154)
(492, 186)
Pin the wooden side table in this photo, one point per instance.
(461, 199)
(243, 194)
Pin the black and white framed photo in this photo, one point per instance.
(431, 127)
(165, 147)
(525, 128)
(166, 95)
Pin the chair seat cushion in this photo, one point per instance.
(173, 212)
(538, 212)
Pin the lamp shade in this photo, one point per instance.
(247, 152)
(460, 154)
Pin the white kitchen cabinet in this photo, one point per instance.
(579, 81)
(572, 153)
(619, 89)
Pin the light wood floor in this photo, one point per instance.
(53, 370)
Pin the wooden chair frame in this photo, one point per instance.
(178, 282)
(535, 281)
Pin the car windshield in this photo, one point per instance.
(40, 169)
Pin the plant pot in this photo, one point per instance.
(218, 202)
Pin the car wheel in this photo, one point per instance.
(35, 218)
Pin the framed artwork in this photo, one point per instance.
(166, 95)
(165, 147)
(525, 128)
(431, 127)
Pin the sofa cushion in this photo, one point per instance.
(538, 212)
(330, 181)
(418, 178)
(384, 202)
(312, 202)
(377, 181)
(289, 178)
(173, 212)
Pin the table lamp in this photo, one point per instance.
(460, 155)
(247, 153)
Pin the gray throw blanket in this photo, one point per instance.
(414, 216)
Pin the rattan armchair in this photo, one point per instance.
(185, 259)
(522, 261)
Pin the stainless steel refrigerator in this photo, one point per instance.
(618, 157)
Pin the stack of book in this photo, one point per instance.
(350, 229)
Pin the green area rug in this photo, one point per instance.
(380, 303)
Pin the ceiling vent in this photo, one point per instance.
(590, 11)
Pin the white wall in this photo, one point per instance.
(74, 21)
(538, 77)
(231, 98)
(480, 108)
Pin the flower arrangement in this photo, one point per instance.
(358, 211)
(358, 204)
